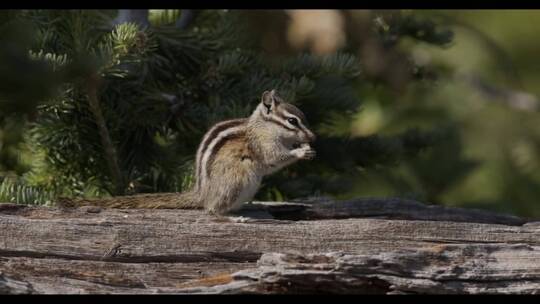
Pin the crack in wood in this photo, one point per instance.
(330, 247)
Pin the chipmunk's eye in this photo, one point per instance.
(293, 121)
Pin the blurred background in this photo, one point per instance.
(437, 106)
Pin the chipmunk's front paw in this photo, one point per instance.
(304, 152)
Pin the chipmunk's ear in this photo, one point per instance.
(270, 100)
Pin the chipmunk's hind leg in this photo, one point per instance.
(222, 199)
(229, 196)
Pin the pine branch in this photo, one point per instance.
(110, 151)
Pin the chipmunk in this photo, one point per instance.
(232, 159)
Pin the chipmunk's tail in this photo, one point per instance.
(184, 200)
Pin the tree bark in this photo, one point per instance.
(187, 16)
(106, 142)
(139, 16)
(384, 246)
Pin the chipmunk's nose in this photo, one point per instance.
(311, 136)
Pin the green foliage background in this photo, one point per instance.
(432, 117)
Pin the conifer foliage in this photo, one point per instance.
(141, 98)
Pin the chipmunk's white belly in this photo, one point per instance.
(248, 192)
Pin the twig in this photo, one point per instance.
(110, 151)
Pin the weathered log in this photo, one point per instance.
(388, 208)
(443, 269)
(316, 245)
(10, 286)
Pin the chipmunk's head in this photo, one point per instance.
(283, 119)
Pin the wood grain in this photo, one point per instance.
(316, 245)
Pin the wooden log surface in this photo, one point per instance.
(316, 245)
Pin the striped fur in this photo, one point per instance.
(232, 159)
(219, 134)
(207, 139)
(216, 144)
(234, 155)
(284, 111)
